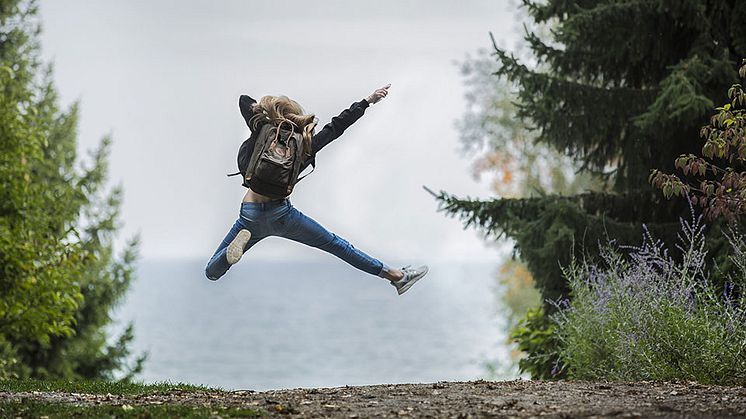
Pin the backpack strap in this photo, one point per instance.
(292, 128)
(313, 167)
(258, 150)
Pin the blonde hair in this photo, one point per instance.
(281, 108)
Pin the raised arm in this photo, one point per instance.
(338, 125)
(244, 104)
(341, 122)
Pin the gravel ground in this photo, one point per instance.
(566, 399)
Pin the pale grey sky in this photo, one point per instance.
(163, 77)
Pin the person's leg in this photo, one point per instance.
(218, 264)
(303, 229)
(392, 274)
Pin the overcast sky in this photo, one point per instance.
(163, 78)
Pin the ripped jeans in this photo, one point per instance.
(280, 218)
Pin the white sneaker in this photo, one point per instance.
(411, 275)
(235, 248)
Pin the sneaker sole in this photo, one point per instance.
(235, 248)
(409, 284)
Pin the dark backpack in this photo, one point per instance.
(273, 167)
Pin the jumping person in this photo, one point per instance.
(263, 216)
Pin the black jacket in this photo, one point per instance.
(328, 133)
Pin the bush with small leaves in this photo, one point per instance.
(715, 181)
(645, 316)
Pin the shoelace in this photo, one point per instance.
(406, 271)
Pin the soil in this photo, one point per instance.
(520, 398)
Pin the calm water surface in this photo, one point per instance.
(318, 324)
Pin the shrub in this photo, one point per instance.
(716, 181)
(641, 315)
(536, 337)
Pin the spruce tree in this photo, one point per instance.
(622, 87)
(59, 274)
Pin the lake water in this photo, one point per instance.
(269, 325)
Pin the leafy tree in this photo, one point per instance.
(58, 271)
(619, 87)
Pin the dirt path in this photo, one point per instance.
(458, 400)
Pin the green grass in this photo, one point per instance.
(35, 409)
(98, 387)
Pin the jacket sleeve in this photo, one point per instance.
(244, 104)
(338, 125)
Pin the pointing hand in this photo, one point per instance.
(378, 94)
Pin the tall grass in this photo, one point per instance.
(642, 315)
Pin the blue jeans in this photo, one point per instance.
(280, 218)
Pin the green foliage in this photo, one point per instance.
(543, 227)
(648, 316)
(39, 268)
(34, 408)
(98, 386)
(59, 276)
(10, 365)
(618, 102)
(720, 191)
(537, 338)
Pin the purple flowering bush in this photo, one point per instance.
(641, 315)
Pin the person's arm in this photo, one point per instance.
(338, 125)
(245, 103)
(341, 122)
